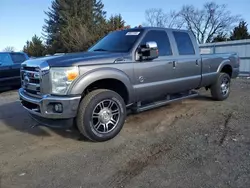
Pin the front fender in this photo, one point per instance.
(79, 85)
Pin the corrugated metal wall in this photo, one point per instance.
(242, 47)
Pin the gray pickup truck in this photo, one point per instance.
(134, 69)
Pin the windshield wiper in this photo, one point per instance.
(100, 49)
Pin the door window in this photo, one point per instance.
(5, 59)
(162, 40)
(18, 58)
(184, 43)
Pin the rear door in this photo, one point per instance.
(5, 69)
(188, 63)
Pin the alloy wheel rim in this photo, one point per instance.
(225, 85)
(105, 116)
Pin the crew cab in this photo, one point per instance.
(137, 69)
(10, 63)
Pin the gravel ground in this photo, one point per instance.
(193, 143)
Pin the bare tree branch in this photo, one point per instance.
(157, 18)
(9, 49)
(209, 21)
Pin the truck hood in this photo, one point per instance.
(75, 59)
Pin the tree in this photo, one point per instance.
(84, 23)
(9, 49)
(74, 25)
(220, 37)
(240, 32)
(34, 47)
(157, 18)
(77, 37)
(115, 22)
(209, 21)
(52, 29)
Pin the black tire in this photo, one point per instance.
(89, 104)
(216, 89)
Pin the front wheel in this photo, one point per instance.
(101, 115)
(220, 90)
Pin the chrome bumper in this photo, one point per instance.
(44, 107)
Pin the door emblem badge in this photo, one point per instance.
(141, 79)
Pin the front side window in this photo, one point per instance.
(162, 40)
(118, 41)
(5, 59)
(184, 43)
(18, 57)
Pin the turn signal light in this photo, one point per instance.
(71, 75)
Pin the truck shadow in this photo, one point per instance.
(202, 98)
(4, 90)
(15, 117)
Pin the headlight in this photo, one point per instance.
(61, 78)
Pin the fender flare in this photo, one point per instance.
(224, 63)
(81, 83)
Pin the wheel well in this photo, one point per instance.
(227, 69)
(111, 84)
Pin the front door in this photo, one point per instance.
(17, 59)
(154, 78)
(5, 69)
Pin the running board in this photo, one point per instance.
(170, 99)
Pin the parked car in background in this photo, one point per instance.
(10, 64)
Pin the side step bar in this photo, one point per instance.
(170, 99)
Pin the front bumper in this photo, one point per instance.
(44, 107)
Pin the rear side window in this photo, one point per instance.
(18, 57)
(162, 40)
(184, 43)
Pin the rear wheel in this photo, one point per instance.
(220, 90)
(101, 115)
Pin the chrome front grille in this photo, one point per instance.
(35, 77)
(31, 78)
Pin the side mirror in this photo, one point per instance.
(149, 51)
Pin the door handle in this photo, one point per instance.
(174, 64)
(197, 62)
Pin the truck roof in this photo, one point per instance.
(13, 52)
(155, 28)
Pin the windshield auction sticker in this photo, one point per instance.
(132, 33)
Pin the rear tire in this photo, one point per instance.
(101, 115)
(220, 90)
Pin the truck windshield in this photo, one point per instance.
(117, 41)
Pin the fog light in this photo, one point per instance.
(58, 108)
